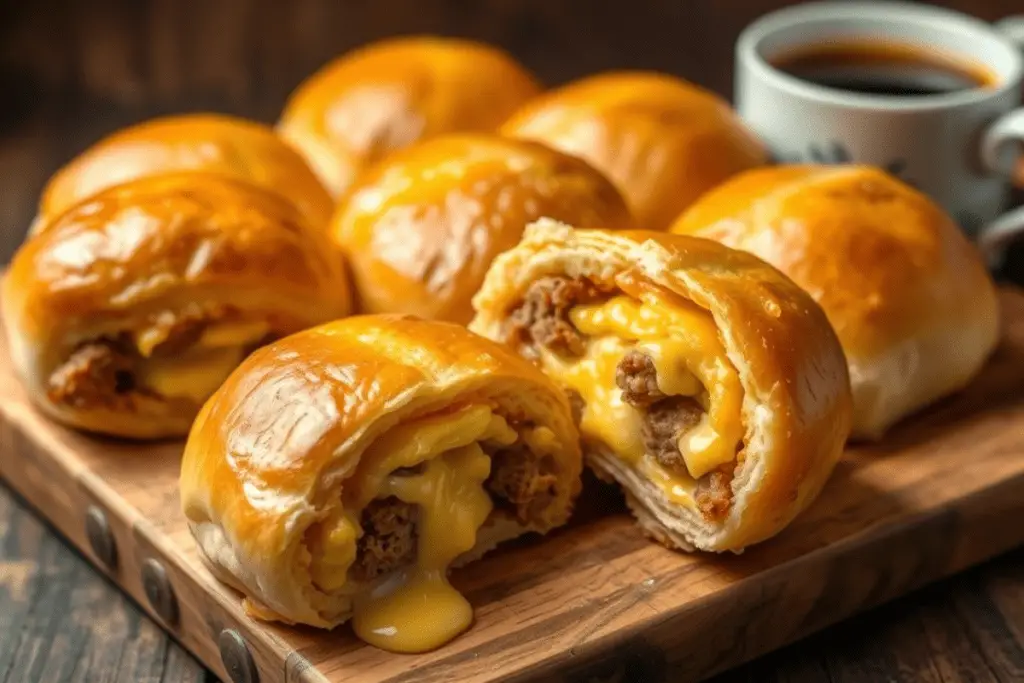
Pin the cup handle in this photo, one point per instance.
(1000, 149)
(1002, 153)
(1012, 27)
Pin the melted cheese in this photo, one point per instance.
(606, 417)
(238, 334)
(197, 372)
(677, 488)
(414, 442)
(416, 609)
(332, 543)
(195, 375)
(690, 360)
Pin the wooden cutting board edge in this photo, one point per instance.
(891, 559)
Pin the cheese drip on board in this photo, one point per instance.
(690, 360)
(415, 609)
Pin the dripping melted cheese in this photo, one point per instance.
(416, 609)
(690, 360)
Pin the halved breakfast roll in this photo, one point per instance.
(131, 308)
(707, 384)
(340, 472)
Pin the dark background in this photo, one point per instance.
(71, 72)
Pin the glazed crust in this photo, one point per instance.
(796, 405)
(907, 294)
(421, 228)
(662, 140)
(212, 143)
(168, 243)
(392, 93)
(273, 449)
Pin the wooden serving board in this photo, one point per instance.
(594, 601)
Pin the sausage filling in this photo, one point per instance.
(543, 317)
(424, 494)
(520, 482)
(542, 321)
(666, 419)
(181, 354)
(389, 538)
(96, 374)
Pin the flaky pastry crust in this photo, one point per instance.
(275, 450)
(662, 140)
(390, 94)
(796, 403)
(907, 294)
(157, 248)
(421, 228)
(212, 143)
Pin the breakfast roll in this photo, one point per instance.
(217, 144)
(129, 309)
(387, 95)
(340, 472)
(907, 293)
(420, 228)
(706, 383)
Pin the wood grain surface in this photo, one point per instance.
(967, 628)
(61, 623)
(595, 599)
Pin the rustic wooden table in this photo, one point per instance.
(61, 622)
(71, 72)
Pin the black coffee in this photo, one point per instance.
(879, 68)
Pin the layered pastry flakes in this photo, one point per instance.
(706, 383)
(339, 473)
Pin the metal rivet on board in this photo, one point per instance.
(101, 539)
(159, 591)
(237, 659)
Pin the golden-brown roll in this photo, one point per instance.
(907, 294)
(662, 140)
(421, 228)
(340, 472)
(128, 310)
(708, 385)
(213, 143)
(392, 93)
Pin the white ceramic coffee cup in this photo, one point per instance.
(959, 147)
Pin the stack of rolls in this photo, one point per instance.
(396, 327)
